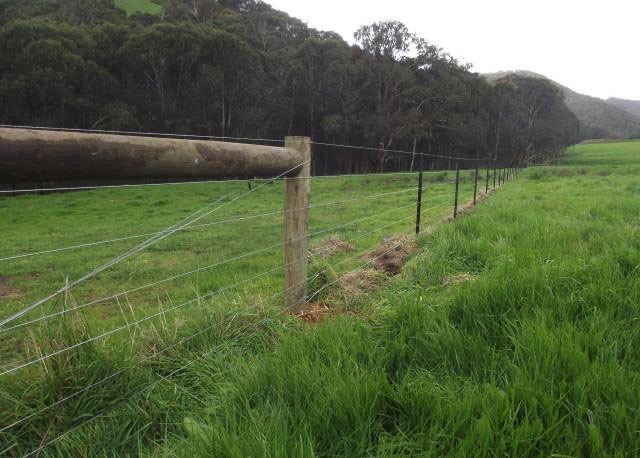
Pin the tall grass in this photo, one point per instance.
(512, 332)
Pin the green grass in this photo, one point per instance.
(512, 332)
(40, 223)
(139, 6)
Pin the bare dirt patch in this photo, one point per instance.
(332, 246)
(385, 261)
(361, 281)
(315, 312)
(7, 291)
(391, 256)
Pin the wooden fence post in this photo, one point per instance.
(420, 186)
(296, 227)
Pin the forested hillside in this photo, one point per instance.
(612, 118)
(632, 106)
(241, 68)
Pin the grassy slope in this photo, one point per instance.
(534, 357)
(139, 6)
(511, 333)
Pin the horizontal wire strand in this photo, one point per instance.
(106, 379)
(384, 150)
(246, 180)
(191, 219)
(215, 223)
(124, 293)
(135, 323)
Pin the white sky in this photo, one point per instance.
(590, 46)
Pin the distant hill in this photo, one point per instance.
(632, 106)
(613, 118)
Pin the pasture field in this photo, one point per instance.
(511, 332)
(235, 245)
(139, 6)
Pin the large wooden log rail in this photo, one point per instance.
(33, 155)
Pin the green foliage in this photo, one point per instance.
(322, 277)
(241, 68)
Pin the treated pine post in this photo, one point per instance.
(455, 204)
(420, 185)
(296, 227)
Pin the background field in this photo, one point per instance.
(512, 332)
(140, 6)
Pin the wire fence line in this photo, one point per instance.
(201, 269)
(200, 226)
(2, 330)
(162, 378)
(184, 183)
(188, 221)
(46, 357)
(208, 328)
(395, 215)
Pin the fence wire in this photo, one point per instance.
(481, 185)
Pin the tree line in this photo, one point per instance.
(241, 68)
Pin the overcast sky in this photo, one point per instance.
(591, 46)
